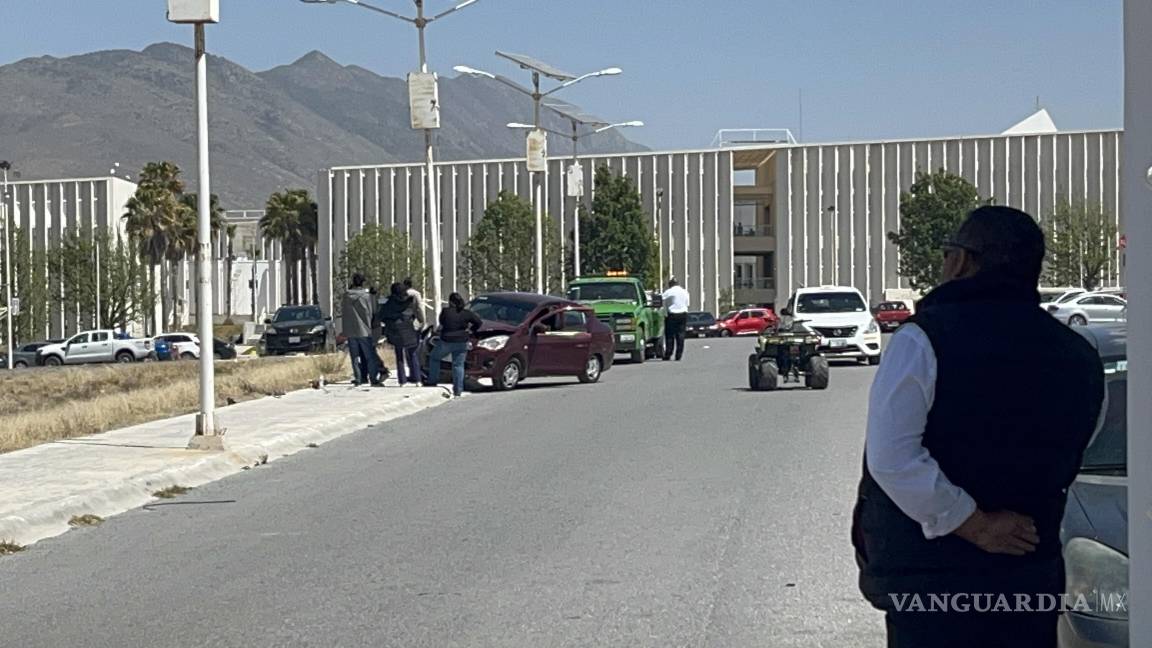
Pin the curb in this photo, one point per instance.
(45, 520)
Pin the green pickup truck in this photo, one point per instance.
(637, 321)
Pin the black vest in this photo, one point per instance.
(1016, 402)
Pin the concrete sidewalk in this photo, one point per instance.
(42, 488)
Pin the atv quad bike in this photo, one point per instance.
(787, 351)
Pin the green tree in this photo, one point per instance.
(111, 293)
(930, 212)
(501, 254)
(617, 233)
(29, 284)
(291, 218)
(1082, 241)
(383, 255)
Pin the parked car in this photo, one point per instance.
(223, 349)
(700, 324)
(526, 335)
(891, 314)
(1050, 296)
(184, 346)
(296, 329)
(1090, 308)
(94, 346)
(747, 321)
(25, 355)
(841, 317)
(1095, 529)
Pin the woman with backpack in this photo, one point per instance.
(397, 314)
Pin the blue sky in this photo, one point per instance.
(868, 69)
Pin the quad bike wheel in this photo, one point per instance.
(769, 375)
(816, 373)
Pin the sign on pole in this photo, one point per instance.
(537, 151)
(15, 307)
(424, 100)
(575, 180)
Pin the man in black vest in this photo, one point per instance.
(977, 421)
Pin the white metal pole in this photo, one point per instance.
(7, 272)
(1136, 203)
(205, 420)
(579, 202)
(433, 209)
(538, 191)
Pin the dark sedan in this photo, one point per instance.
(700, 325)
(25, 355)
(526, 335)
(296, 329)
(1095, 530)
(223, 349)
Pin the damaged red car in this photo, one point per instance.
(526, 335)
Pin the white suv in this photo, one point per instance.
(841, 317)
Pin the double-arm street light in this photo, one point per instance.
(424, 102)
(578, 120)
(537, 140)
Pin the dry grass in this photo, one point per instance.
(171, 492)
(60, 403)
(7, 548)
(86, 520)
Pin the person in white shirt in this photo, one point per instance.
(676, 302)
(973, 439)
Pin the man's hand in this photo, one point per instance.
(1002, 532)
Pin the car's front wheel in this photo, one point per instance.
(509, 376)
(187, 355)
(20, 364)
(1078, 320)
(725, 333)
(592, 369)
(53, 361)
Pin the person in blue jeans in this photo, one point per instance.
(457, 325)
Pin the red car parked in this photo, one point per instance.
(526, 335)
(748, 321)
(890, 315)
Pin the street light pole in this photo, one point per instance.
(539, 177)
(5, 166)
(429, 117)
(198, 13)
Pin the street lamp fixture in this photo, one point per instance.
(424, 103)
(537, 136)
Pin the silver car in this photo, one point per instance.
(1090, 308)
(1095, 528)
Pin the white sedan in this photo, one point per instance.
(1090, 308)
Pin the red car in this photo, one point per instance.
(749, 321)
(890, 315)
(526, 335)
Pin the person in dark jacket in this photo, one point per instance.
(973, 439)
(457, 325)
(396, 315)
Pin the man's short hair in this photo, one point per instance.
(407, 282)
(1005, 241)
(357, 280)
(673, 282)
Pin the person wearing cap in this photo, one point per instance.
(676, 302)
(972, 439)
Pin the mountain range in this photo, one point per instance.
(270, 130)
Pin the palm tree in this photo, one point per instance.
(151, 217)
(290, 217)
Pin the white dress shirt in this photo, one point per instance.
(676, 299)
(902, 394)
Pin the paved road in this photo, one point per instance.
(665, 506)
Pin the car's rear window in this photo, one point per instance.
(701, 318)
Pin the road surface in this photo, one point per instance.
(664, 506)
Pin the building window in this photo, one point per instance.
(755, 271)
(744, 219)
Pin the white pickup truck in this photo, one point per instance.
(92, 347)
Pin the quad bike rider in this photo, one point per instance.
(789, 349)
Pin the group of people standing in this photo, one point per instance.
(399, 319)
